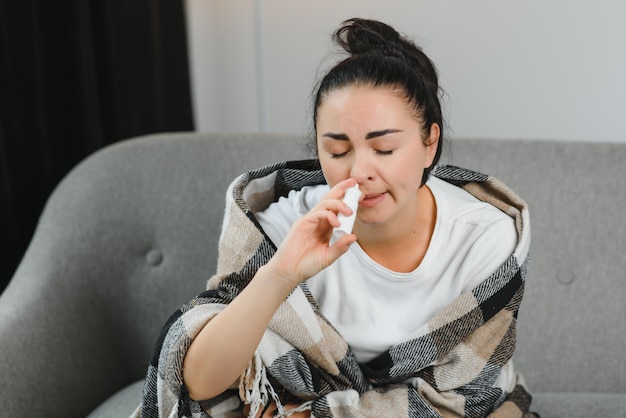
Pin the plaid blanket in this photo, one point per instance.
(448, 368)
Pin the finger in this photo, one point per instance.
(340, 247)
(321, 216)
(326, 212)
(334, 204)
(339, 189)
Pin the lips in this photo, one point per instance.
(372, 199)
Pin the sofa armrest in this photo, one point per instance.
(56, 353)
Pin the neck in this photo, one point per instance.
(401, 245)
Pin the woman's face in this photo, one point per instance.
(370, 134)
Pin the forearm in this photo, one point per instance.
(222, 350)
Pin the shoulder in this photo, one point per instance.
(479, 236)
(297, 202)
(277, 218)
(458, 205)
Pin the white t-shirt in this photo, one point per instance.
(373, 307)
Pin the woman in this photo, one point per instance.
(412, 314)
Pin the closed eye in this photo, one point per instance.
(343, 154)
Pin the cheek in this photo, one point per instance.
(331, 171)
(412, 161)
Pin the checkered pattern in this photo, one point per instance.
(446, 368)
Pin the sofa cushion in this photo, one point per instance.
(579, 405)
(121, 404)
(548, 405)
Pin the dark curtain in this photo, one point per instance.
(76, 76)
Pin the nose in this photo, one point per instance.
(362, 167)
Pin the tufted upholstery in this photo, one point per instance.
(131, 233)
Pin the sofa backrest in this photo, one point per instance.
(572, 331)
(133, 231)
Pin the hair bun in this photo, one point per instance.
(361, 36)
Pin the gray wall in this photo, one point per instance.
(512, 69)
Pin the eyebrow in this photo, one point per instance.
(370, 135)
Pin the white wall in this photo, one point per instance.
(512, 69)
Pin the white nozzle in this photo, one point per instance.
(351, 198)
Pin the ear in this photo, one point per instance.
(432, 143)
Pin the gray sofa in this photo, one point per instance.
(130, 234)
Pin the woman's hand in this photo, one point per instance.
(224, 347)
(305, 251)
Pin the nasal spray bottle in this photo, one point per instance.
(351, 198)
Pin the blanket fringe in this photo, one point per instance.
(255, 388)
(306, 406)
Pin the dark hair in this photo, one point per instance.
(380, 57)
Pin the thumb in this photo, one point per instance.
(340, 247)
